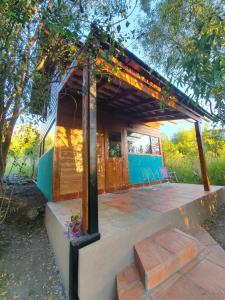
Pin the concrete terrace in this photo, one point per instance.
(122, 210)
(125, 218)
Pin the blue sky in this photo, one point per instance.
(170, 129)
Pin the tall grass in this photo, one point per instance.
(188, 170)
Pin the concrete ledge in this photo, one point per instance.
(60, 245)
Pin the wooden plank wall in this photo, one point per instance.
(68, 163)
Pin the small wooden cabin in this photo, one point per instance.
(102, 134)
(129, 111)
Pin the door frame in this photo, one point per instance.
(124, 156)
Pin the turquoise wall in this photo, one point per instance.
(144, 168)
(45, 174)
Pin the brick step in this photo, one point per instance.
(203, 278)
(129, 284)
(163, 254)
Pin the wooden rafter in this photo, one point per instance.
(131, 79)
(159, 114)
(158, 119)
(141, 103)
(154, 111)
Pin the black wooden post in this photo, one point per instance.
(89, 125)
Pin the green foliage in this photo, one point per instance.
(23, 151)
(186, 40)
(38, 41)
(25, 142)
(187, 170)
(181, 155)
(214, 141)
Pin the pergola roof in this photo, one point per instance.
(135, 91)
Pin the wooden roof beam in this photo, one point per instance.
(165, 118)
(138, 84)
(153, 111)
(174, 113)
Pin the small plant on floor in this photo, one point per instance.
(74, 226)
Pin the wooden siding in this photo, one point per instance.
(68, 150)
(68, 162)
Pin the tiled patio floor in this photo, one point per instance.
(121, 210)
(202, 279)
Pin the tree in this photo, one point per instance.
(186, 40)
(24, 145)
(170, 150)
(185, 142)
(214, 141)
(38, 41)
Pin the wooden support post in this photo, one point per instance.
(205, 177)
(90, 191)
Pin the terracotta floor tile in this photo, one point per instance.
(162, 254)
(123, 204)
(161, 289)
(185, 289)
(216, 254)
(134, 292)
(127, 276)
(151, 254)
(210, 277)
(174, 240)
(203, 236)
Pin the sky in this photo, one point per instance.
(170, 129)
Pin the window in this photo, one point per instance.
(142, 144)
(155, 145)
(114, 144)
(49, 139)
(138, 143)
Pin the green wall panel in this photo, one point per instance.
(144, 168)
(45, 174)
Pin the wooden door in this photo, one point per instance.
(116, 161)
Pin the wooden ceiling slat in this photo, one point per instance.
(143, 102)
(149, 114)
(158, 119)
(122, 95)
(102, 83)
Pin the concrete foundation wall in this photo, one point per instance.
(60, 245)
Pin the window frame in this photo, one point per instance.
(42, 144)
(114, 142)
(159, 145)
(159, 153)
